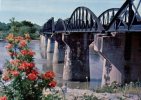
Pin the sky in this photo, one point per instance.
(39, 11)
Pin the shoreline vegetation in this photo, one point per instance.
(19, 28)
(131, 91)
(80, 94)
(127, 92)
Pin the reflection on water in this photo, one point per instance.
(46, 64)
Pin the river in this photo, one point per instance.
(44, 64)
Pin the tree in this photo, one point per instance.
(14, 26)
(24, 27)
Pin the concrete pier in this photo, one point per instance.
(67, 70)
(43, 44)
(49, 60)
(58, 55)
(133, 57)
(50, 45)
(112, 51)
(50, 50)
(76, 66)
(59, 52)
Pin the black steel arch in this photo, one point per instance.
(128, 18)
(83, 20)
(48, 27)
(60, 26)
(106, 17)
(124, 19)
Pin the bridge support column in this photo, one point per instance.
(50, 45)
(40, 40)
(112, 50)
(50, 50)
(58, 55)
(76, 65)
(43, 44)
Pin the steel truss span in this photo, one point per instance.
(124, 19)
(83, 20)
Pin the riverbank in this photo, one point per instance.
(81, 94)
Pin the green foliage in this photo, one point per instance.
(132, 88)
(52, 94)
(14, 26)
(89, 97)
(104, 89)
(20, 28)
(34, 36)
(108, 88)
(27, 23)
(25, 82)
(121, 98)
(52, 97)
(4, 27)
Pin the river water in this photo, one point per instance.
(43, 65)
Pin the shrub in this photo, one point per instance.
(109, 88)
(25, 82)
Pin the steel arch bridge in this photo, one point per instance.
(124, 19)
(106, 17)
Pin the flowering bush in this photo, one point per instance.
(26, 83)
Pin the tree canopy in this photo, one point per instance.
(21, 28)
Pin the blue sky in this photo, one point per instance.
(39, 11)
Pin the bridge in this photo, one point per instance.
(115, 35)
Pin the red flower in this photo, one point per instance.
(18, 39)
(3, 98)
(49, 75)
(26, 65)
(28, 71)
(31, 65)
(27, 52)
(31, 53)
(23, 65)
(15, 62)
(9, 46)
(22, 43)
(15, 73)
(35, 72)
(52, 83)
(24, 52)
(32, 76)
(6, 78)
